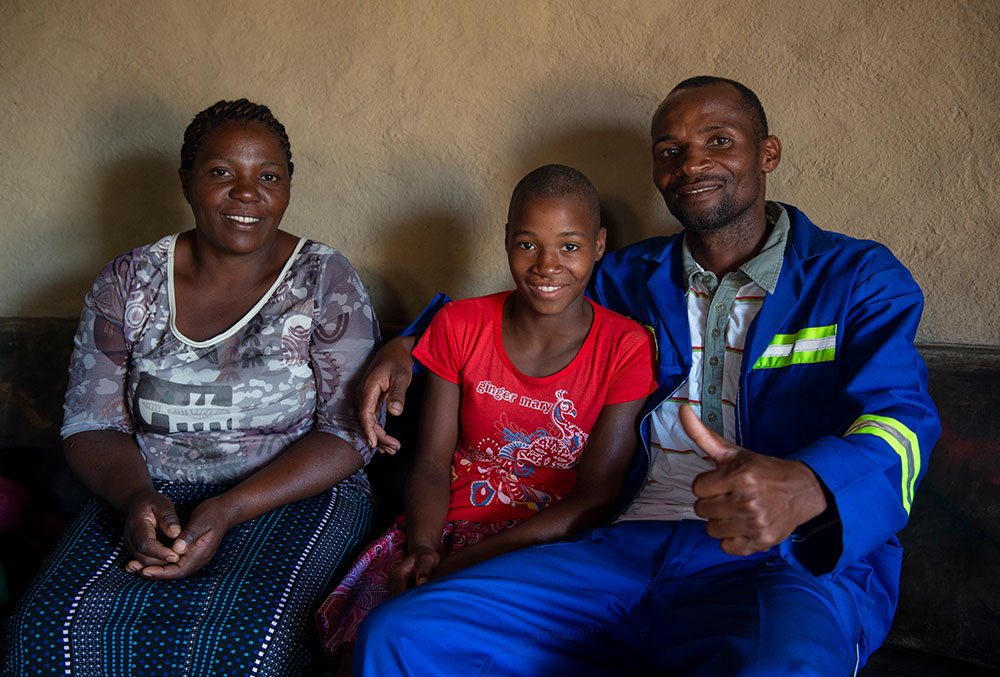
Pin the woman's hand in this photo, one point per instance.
(414, 570)
(151, 524)
(195, 546)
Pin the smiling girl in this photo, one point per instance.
(529, 419)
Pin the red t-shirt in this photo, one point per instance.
(521, 437)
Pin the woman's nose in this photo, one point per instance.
(245, 190)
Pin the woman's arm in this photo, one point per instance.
(601, 474)
(429, 483)
(313, 464)
(112, 467)
(344, 333)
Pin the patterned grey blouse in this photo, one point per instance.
(215, 411)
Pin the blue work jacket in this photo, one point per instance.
(830, 376)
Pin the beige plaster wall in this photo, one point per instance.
(412, 120)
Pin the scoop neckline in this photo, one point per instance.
(502, 351)
(240, 323)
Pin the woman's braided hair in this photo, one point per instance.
(222, 112)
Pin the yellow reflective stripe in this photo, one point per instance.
(809, 346)
(902, 440)
(656, 345)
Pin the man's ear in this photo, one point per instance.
(770, 154)
(185, 177)
(602, 240)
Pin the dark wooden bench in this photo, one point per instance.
(948, 621)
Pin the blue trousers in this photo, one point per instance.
(629, 598)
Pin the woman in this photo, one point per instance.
(210, 410)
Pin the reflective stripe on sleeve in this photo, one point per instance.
(809, 346)
(903, 442)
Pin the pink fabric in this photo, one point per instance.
(13, 501)
(364, 586)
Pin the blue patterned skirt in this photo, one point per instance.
(247, 612)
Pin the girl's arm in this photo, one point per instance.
(601, 474)
(428, 487)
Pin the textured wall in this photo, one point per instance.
(412, 120)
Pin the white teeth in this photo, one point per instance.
(700, 190)
(547, 289)
(243, 219)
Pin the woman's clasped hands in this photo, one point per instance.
(161, 548)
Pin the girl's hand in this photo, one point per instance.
(151, 524)
(415, 570)
(195, 546)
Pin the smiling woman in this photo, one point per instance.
(209, 411)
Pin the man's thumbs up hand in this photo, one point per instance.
(752, 501)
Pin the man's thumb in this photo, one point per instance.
(715, 447)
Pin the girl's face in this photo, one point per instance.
(552, 245)
(238, 187)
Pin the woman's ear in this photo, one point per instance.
(185, 177)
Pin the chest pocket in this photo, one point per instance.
(811, 345)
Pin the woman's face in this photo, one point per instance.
(238, 187)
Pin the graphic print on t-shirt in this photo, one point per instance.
(508, 474)
(167, 407)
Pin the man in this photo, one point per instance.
(773, 336)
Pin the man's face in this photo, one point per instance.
(708, 163)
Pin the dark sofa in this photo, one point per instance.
(948, 621)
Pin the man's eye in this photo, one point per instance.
(571, 247)
(219, 171)
(667, 152)
(524, 245)
(721, 141)
(271, 178)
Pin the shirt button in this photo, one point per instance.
(711, 390)
(713, 361)
(719, 307)
(716, 333)
(712, 417)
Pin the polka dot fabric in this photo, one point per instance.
(247, 612)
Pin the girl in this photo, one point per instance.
(529, 420)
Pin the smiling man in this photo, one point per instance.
(779, 454)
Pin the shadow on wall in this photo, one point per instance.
(428, 240)
(139, 201)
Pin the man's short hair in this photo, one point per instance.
(556, 181)
(750, 100)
